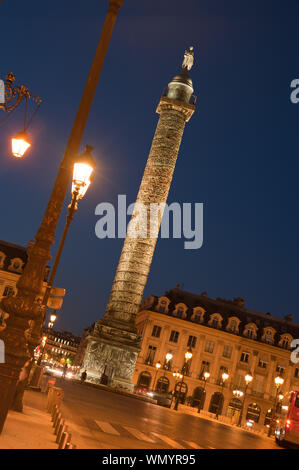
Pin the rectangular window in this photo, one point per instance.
(209, 347)
(296, 373)
(262, 364)
(227, 351)
(8, 290)
(174, 336)
(280, 370)
(151, 354)
(192, 341)
(244, 357)
(205, 366)
(156, 331)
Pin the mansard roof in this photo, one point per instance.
(12, 251)
(227, 309)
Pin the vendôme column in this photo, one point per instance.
(113, 347)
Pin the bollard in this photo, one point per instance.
(54, 413)
(56, 419)
(57, 423)
(65, 439)
(61, 429)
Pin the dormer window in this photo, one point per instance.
(233, 325)
(180, 311)
(250, 331)
(268, 336)
(198, 314)
(162, 306)
(285, 341)
(16, 265)
(215, 320)
(2, 258)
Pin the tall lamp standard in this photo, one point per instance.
(188, 356)
(206, 375)
(158, 365)
(224, 377)
(278, 382)
(82, 174)
(24, 306)
(178, 376)
(248, 380)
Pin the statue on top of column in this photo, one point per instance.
(188, 58)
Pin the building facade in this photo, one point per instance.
(13, 259)
(224, 337)
(61, 347)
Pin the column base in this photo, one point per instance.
(110, 357)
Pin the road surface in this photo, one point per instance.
(105, 420)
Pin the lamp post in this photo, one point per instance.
(278, 382)
(248, 380)
(188, 356)
(206, 375)
(158, 365)
(224, 377)
(177, 375)
(24, 306)
(14, 95)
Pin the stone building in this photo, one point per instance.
(223, 336)
(61, 346)
(13, 258)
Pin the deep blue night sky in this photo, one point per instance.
(239, 154)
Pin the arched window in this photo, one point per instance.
(182, 391)
(268, 335)
(234, 408)
(233, 325)
(216, 403)
(198, 397)
(162, 385)
(250, 331)
(253, 412)
(215, 320)
(180, 310)
(285, 341)
(198, 314)
(144, 379)
(16, 264)
(163, 304)
(2, 258)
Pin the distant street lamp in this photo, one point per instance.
(188, 356)
(248, 380)
(158, 365)
(24, 306)
(278, 382)
(224, 377)
(206, 375)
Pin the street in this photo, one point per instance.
(105, 420)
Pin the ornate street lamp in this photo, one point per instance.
(53, 317)
(13, 96)
(278, 382)
(248, 380)
(82, 173)
(188, 356)
(158, 365)
(24, 306)
(19, 144)
(206, 375)
(224, 377)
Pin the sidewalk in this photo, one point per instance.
(183, 409)
(31, 429)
